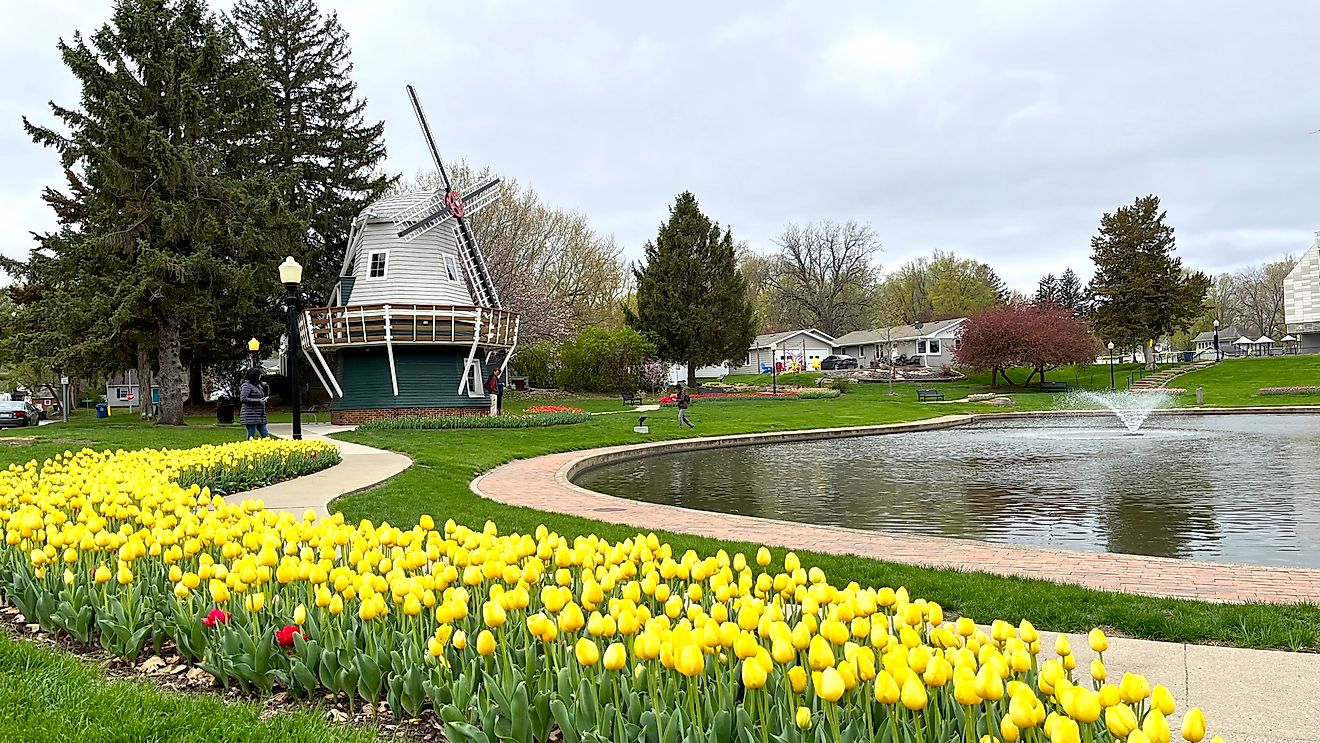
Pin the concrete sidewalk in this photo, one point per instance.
(1262, 696)
(363, 467)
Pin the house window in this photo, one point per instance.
(957, 343)
(451, 268)
(921, 346)
(376, 264)
(934, 345)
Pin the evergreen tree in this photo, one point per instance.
(173, 222)
(692, 300)
(1071, 294)
(320, 134)
(1140, 289)
(1047, 291)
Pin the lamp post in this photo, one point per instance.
(774, 369)
(1112, 386)
(291, 277)
(1216, 340)
(254, 348)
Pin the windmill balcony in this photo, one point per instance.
(331, 328)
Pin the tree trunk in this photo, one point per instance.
(196, 395)
(994, 378)
(171, 382)
(691, 375)
(146, 380)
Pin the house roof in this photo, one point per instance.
(936, 329)
(1209, 335)
(765, 339)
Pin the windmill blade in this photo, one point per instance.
(430, 141)
(415, 220)
(481, 196)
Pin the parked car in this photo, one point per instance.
(18, 413)
(831, 363)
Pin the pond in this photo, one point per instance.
(1234, 488)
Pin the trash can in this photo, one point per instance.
(102, 410)
(224, 409)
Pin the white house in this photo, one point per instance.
(804, 348)
(1301, 300)
(933, 342)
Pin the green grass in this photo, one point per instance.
(1234, 382)
(49, 696)
(115, 432)
(447, 461)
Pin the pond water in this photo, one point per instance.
(1237, 488)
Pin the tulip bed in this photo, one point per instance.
(451, 422)
(514, 637)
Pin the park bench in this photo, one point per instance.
(632, 398)
(1053, 386)
(925, 395)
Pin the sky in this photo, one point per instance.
(1000, 130)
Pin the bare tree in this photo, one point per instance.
(1258, 291)
(548, 265)
(824, 274)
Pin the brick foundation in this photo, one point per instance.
(358, 417)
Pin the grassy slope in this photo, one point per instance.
(49, 696)
(1234, 382)
(448, 460)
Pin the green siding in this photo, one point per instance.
(428, 377)
(346, 288)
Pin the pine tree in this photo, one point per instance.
(175, 223)
(1047, 291)
(1140, 289)
(1071, 294)
(320, 133)
(692, 299)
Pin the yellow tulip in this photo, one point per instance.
(1062, 647)
(1121, 720)
(964, 692)
(831, 685)
(412, 606)
(886, 689)
(690, 661)
(797, 679)
(300, 615)
(337, 605)
(616, 656)
(1138, 736)
(1008, 731)
(493, 614)
(1086, 706)
(1156, 727)
(753, 674)
(914, 694)
(485, 643)
(1162, 700)
(460, 641)
(803, 718)
(1099, 643)
(1193, 727)
(821, 656)
(763, 557)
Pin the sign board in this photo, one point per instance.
(64, 380)
(130, 397)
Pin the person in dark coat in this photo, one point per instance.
(684, 400)
(495, 387)
(252, 401)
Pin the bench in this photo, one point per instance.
(632, 398)
(1053, 386)
(316, 411)
(925, 395)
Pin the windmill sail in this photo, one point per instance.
(452, 206)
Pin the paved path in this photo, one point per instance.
(545, 483)
(362, 468)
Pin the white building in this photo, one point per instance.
(803, 348)
(932, 342)
(1301, 300)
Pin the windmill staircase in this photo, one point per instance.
(1162, 378)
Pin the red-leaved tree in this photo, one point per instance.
(1042, 337)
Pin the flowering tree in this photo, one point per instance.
(1042, 337)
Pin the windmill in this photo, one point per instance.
(415, 319)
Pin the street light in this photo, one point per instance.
(1112, 386)
(291, 277)
(1216, 340)
(254, 348)
(774, 369)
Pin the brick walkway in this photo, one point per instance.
(544, 483)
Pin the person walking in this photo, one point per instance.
(684, 400)
(252, 396)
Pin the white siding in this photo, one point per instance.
(416, 271)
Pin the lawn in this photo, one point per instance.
(1235, 382)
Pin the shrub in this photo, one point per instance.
(1289, 390)
(824, 394)
(539, 362)
(841, 385)
(812, 394)
(602, 361)
(451, 422)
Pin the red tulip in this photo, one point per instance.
(285, 635)
(216, 616)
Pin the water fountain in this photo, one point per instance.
(1131, 408)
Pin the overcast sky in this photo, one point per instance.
(1000, 130)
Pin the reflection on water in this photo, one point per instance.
(1228, 488)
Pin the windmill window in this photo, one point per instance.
(377, 263)
(451, 268)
